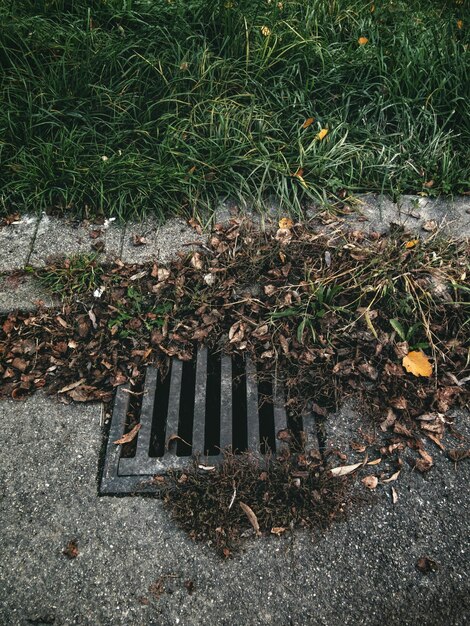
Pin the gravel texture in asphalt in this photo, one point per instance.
(134, 567)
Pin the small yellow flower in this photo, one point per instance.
(322, 134)
(362, 41)
(265, 31)
(459, 24)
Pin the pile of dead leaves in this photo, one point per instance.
(340, 313)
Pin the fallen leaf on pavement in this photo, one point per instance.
(392, 477)
(394, 495)
(388, 421)
(342, 470)
(425, 463)
(278, 530)
(71, 549)
(417, 363)
(458, 454)
(426, 565)
(138, 240)
(370, 482)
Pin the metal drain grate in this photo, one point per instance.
(200, 408)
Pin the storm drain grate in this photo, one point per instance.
(201, 407)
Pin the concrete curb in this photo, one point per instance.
(38, 241)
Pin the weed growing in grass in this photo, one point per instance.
(124, 107)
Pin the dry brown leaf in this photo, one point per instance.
(308, 122)
(128, 436)
(197, 261)
(427, 565)
(458, 454)
(71, 549)
(162, 274)
(269, 290)
(392, 478)
(370, 482)
(394, 495)
(375, 461)
(251, 516)
(284, 235)
(399, 403)
(429, 226)
(278, 530)
(284, 344)
(72, 386)
(388, 421)
(436, 440)
(425, 463)
(138, 240)
(343, 470)
(417, 363)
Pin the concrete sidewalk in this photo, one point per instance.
(361, 572)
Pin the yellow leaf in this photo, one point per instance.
(362, 41)
(459, 24)
(285, 222)
(412, 243)
(322, 134)
(308, 122)
(417, 363)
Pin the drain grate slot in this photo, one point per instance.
(160, 414)
(200, 407)
(186, 406)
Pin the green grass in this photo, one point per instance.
(122, 107)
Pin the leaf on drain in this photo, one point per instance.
(173, 438)
(128, 436)
(252, 517)
(342, 470)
